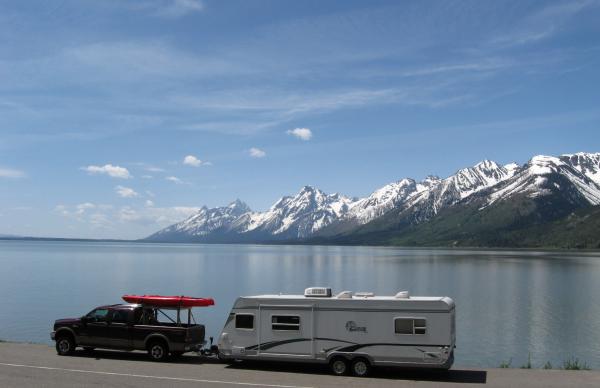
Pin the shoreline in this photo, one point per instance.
(292, 243)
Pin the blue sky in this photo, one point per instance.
(102, 101)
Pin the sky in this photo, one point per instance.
(120, 117)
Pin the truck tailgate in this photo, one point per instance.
(195, 334)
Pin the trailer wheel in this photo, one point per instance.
(65, 345)
(339, 366)
(361, 367)
(158, 351)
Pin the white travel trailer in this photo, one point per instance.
(349, 331)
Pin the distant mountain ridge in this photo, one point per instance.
(541, 191)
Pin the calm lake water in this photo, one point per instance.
(509, 303)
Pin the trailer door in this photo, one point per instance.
(286, 331)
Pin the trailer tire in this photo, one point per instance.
(158, 350)
(360, 367)
(339, 366)
(65, 345)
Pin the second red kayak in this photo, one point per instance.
(169, 301)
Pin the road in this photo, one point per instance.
(28, 365)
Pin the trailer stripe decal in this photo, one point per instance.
(348, 309)
(352, 348)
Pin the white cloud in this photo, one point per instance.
(76, 211)
(83, 207)
(105, 216)
(191, 160)
(154, 169)
(174, 179)
(11, 173)
(126, 192)
(179, 8)
(147, 177)
(155, 215)
(108, 169)
(301, 133)
(257, 152)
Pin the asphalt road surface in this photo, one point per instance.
(27, 365)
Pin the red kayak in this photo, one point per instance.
(169, 301)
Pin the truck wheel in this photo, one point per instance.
(65, 345)
(361, 367)
(158, 351)
(339, 366)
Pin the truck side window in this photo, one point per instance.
(98, 315)
(120, 316)
(285, 322)
(244, 321)
(410, 326)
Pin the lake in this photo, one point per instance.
(509, 303)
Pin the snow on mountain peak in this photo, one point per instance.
(382, 200)
(486, 165)
(582, 170)
(239, 207)
(511, 167)
(586, 163)
(542, 164)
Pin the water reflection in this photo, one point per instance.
(509, 303)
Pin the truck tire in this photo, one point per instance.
(158, 350)
(360, 367)
(65, 345)
(339, 366)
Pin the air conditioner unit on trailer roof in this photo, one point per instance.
(324, 292)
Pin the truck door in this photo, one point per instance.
(94, 330)
(119, 329)
(286, 331)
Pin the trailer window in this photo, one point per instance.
(244, 321)
(410, 326)
(285, 322)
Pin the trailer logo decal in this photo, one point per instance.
(351, 326)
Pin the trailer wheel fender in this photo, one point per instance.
(350, 356)
(366, 356)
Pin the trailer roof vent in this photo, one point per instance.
(364, 294)
(324, 292)
(344, 295)
(402, 295)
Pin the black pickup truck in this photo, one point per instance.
(129, 327)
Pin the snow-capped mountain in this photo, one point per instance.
(297, 217)
(542, 175)
(312, 212)
(204, 222)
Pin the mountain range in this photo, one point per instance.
(547, 202)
